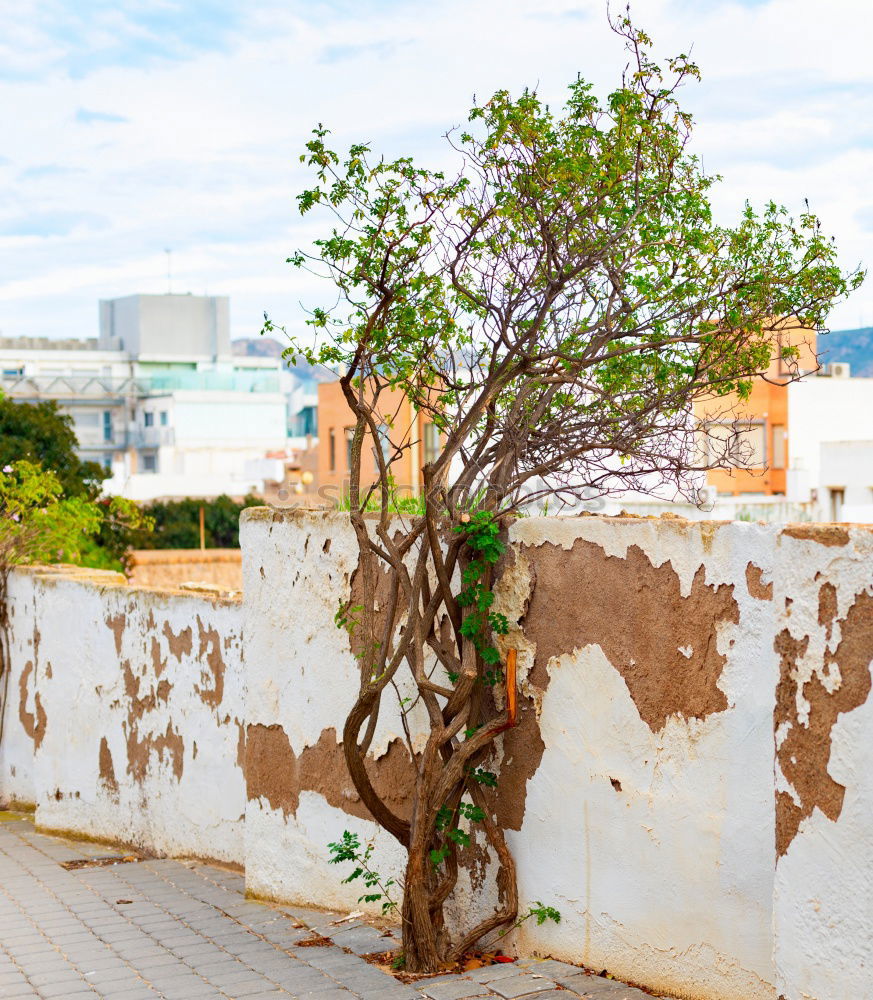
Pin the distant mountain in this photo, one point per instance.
(267, 347)
(257, 347)
(854, 346)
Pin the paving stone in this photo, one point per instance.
(520, 986)
(269, 995)
(589, 986)
(138, 993)
(253, 988)
(549, 967)
(491, 973)
(396, 991)
(190, 933)
(455, 989)
(68, 988)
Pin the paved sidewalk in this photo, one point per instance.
(184, 930)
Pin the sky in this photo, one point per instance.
(129, 127)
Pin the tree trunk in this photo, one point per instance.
(421, 948)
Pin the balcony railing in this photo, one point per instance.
(152, 437)
(97, 387)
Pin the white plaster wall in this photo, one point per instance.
(17, 782)
(668, 882)
(671, 880)
(301, 675)
(825, 409)
(823, 899)
(106, 671)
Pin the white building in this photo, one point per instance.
(159, 399)
(830, 448)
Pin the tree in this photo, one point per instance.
(557, 307)
(40, 433)
(177, 523)
(39, 523)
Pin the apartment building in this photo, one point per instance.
(764, 438)
(158, 398)
(335, 429)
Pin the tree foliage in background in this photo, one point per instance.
(41, 436)
(41, 523)
(40, 433)
(177, 523)
(557, 307)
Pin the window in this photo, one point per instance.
(149, 463)
(331, 442)
(148, 419)
(741, 443)
(837, 497)
(778, 446)
(107, 425)
(384, 443)
(350, 437)
(11, 372)
(165, 418)
(431, 443)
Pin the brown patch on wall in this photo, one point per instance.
(757, 588)
(271, 768)
(827, 607)
(158, 664)
(824, 534)
(33, 724)
(476, 859)
(275, 772)
(116, 624)
(107, 768)
(638, 616)
(168, 746)
(210, 649)
(805, 751)
(523, 750)
(240, 745)
(180, 645)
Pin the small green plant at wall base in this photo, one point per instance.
(349, 849)
(541, 912)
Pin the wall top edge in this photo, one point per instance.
(108, 580)
(142, 557)
(822, 531)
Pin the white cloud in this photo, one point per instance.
(205, 160)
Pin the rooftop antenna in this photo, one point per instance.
(168, 252)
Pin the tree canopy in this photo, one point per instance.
(556, 306)
(40, 433)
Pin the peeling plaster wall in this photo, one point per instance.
(642, 791)
(18, 694)
(690, 782)
(301, 682)
(139, 707)
(649, 819)
(823, 901)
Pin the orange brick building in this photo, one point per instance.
(335, 427)
(764, 416)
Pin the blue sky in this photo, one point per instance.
(136, 125)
